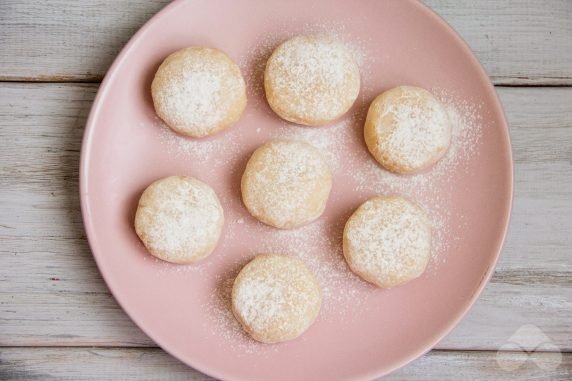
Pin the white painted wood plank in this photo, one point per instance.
(62, 40)
(45, 364)
(153, 364)
(52, 294)
(518, 41)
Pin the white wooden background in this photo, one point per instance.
(58, 320)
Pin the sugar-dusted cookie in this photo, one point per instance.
(179, 219)
(198, 91)
(286, 184)
(407, 129)
(311, 79)
(387, 241)
(275, 298)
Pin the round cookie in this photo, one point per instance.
(179, 219)
(198, 91)
(286, 184)
(275, 298)
(407, 129)
(387, 241)
(311, 80)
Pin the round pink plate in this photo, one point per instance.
(362, 332)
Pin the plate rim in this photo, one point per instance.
(367, 374)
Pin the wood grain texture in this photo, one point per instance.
(53, 295)
(142, 364)
(518, 41)
(67, 40)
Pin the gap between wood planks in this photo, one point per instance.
(154, 347)
(52, 79)
(500, 82)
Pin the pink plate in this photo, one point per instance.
(362, 332)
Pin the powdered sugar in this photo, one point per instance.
(193, 97)
(204, 150)
(319, 246)
(327, 139)
(219, 310)
(260, 301)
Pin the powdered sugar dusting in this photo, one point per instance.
(219, 310)
(204, 150)
(327, 139)
(190, 101)
(319, 246)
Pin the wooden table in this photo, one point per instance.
(57, 318)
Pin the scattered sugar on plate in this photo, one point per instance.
(431, 189)
(326, 139)
(203, 150)
(219, 310)
(342, 291)
(319, 243)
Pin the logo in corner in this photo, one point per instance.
(529, 343)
